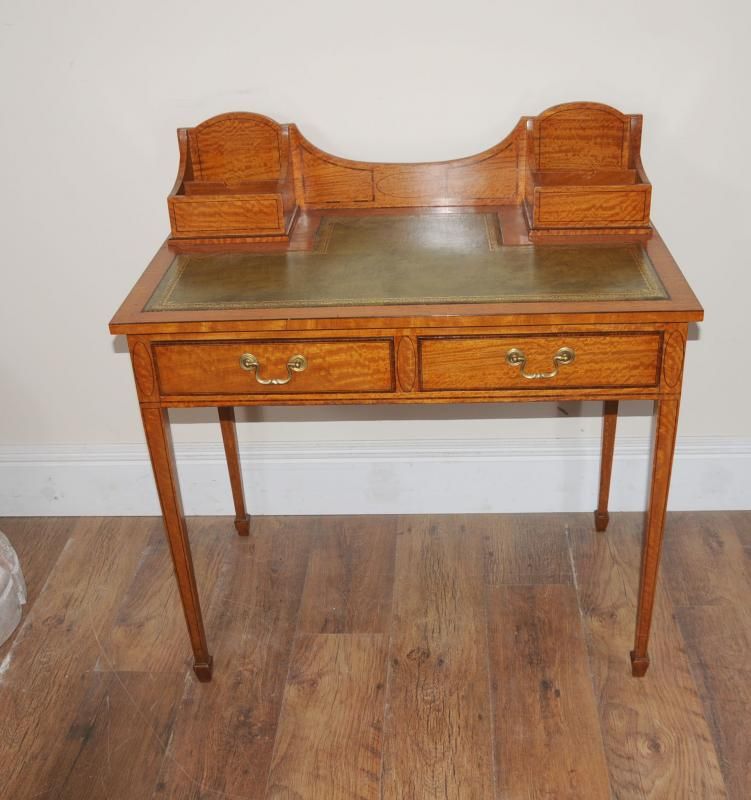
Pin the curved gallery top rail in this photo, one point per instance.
(575, 169)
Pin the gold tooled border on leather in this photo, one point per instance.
(328, 224)
(161, 299)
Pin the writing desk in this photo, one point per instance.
(431, 294)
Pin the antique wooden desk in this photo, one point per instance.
(528, 272)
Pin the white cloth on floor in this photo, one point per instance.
(12, 589)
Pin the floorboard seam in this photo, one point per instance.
(10, 645)
(387, 679)
(491, 693)
(588, 647)
(290, 653)
(708, 707)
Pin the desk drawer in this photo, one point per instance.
(478, 363)
(274, 366)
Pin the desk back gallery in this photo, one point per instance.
(575, 168)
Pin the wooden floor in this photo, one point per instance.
(379, 657)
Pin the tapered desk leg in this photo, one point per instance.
(159, 440)
(662, 463)
(609, 420)
(231, 450)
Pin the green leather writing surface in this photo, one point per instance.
(408, 259)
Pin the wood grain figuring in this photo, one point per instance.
(327, 181)
(672, 360)
(161, 451)
(224, 732)
(143, 369)
(406, 362)
(609, 422)
(117, 737)
(410, 185)
(604, 206)
(333, 366)
(708, 580)
(545, 711)
(718, 640)
(741, 526)
(662, 464)
(83, 720)
(581, 135)
(43, 681)
(586, 177)
(656, 737)
(232, 453)
(38, 542)
(438, 741)
(692, 737)
(350, 579)
(236, 147)
(235, 182)
(584, 174)
(148, 632)
(476, 363)
(594, 235)
(543, 152)
(346, 761)
(528, 549)
(193, 188)
(204, 216)
(629, 734)
(493, 179)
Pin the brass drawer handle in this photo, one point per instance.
(296, 364)
(516, 358)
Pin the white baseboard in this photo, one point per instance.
(373, 477)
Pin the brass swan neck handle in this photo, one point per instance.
(517, 358)
(250, 363)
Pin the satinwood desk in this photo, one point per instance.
(299, 278)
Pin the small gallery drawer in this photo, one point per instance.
(282, 366)
(585, 207)
(478, 363)
(232, 216)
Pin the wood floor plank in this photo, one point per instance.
(116, 741)
(57, 646)
(547, 731)
(524, 549)
(148, 634)
(438, 734)
(608, 621)
(704, 561)
(38, 542)
(741, 522)
(224, 730)
(719, 645)
(328, 743)
(73, 727)
(350, 578)
(710, 583)
(657, 742)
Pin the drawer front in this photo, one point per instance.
(197, 215)
(328, 366)
(589, 207)
(479, 363)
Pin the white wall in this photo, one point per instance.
(92, 92)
